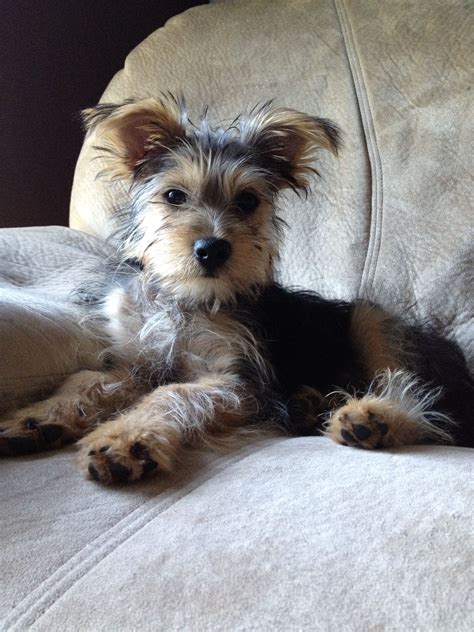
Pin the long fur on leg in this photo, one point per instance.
(396, 410)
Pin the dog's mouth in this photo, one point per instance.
(212, 274)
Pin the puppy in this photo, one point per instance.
(199, 339)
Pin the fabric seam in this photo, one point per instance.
(373, 153)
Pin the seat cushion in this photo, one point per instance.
(284, 534)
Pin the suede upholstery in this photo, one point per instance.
(285, 533)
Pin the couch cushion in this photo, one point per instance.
(284, 534)
(41, 341)
(390, 220)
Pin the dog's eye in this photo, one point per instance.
(247, 202)
(175, 197)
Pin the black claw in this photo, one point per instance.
(361, 431)
(383, 428)
(22, 445)
(93, 472)
(119, 472)
(51, 432)
(31, 423)
(149, 466)
(139, 451)
(347, 436)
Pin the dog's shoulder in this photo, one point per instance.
(306, 338)
(280, 311)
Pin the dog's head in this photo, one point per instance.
(202, 217)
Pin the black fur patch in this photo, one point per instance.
(306, 340)
(440, 362)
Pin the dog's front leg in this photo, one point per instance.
(79, 404)
(148, 437)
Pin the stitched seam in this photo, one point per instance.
(40, 600)
(367, 119)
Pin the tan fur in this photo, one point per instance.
(127, 132)
(215, 343)
(386, 425)
(377, 338)
(167, 235)
(294, 135)
(161, 424)
(85, 399)
(168, 253)
(396, 411)
(135, 131)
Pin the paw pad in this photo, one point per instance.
(361, 432)
(104, 464)
(358, 426)
(120, 473)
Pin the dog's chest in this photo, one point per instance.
(186, 345)
(210, 344)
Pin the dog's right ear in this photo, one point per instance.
(134, 131)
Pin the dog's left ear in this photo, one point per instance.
(287, 142)
(131, 131)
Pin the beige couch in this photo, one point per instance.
(285, 533)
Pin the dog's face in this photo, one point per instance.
(202, 217)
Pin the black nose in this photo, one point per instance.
(211, 252)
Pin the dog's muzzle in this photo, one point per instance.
(212, 253)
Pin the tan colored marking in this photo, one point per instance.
(397, 410)
(387, 426)
(132, 129)
(165, 421)
(376, 337)
(85, 399)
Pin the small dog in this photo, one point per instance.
(202, 340)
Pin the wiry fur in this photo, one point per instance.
(396, 410)
(191, 351)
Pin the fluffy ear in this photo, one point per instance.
(133, 130)
(287, 142)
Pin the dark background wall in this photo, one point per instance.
(56, 57)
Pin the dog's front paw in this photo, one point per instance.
(361, 424)
(42, 426)
(116, 452)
